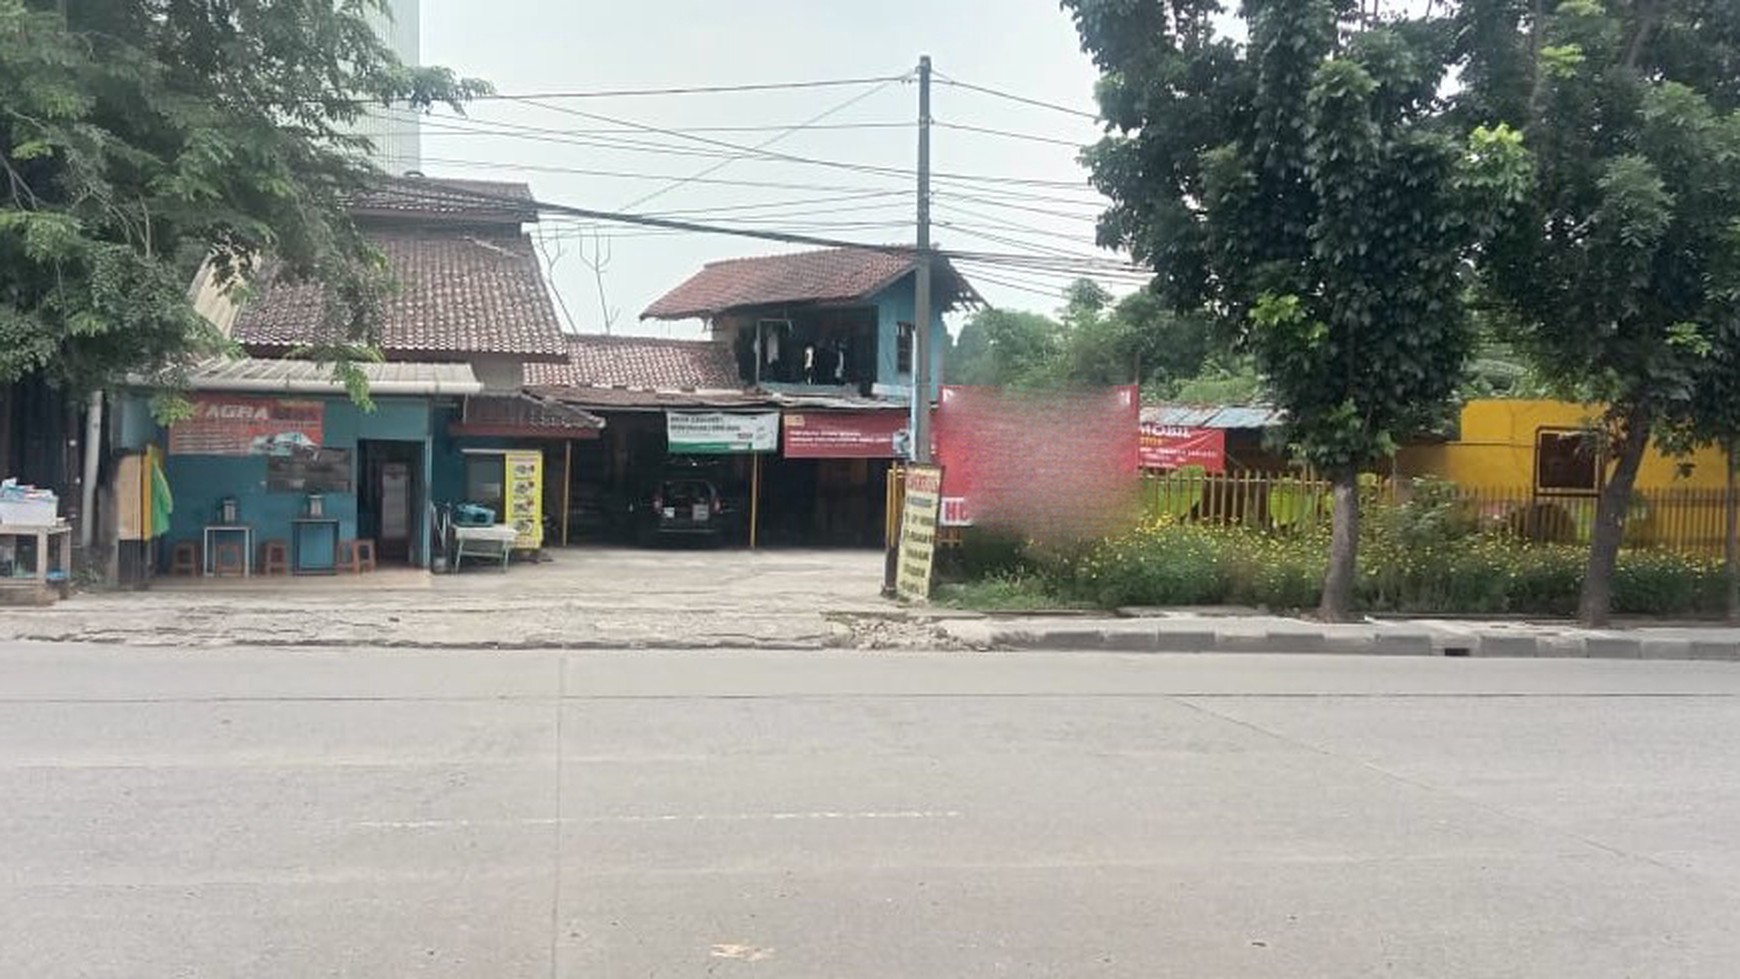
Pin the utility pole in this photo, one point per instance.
(921, 358)
(919, 402)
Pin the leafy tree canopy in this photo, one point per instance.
(1095, 339)
(140, 137)
(1305, 187)
(1619, 276)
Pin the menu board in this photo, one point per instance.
(525, 496)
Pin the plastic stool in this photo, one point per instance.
(357, 556)
(184, 560)
(229, 557)
(274, 557)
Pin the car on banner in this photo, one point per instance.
(291, 443)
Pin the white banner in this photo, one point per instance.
(720, 432)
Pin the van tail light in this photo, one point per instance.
(717, 506)
(658, 501)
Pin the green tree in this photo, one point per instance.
(1619, 278)
(1306, 188)
(141, 137)
(1095, 340)
(1137, 339)
(1000, 347)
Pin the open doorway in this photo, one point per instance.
(390, 497)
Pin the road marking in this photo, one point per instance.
(673, 817)
(748, 953)
(745, 817)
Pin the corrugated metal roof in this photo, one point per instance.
(1213, 416)
(311, 377)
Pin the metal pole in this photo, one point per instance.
(567, 486)
(754, 498)
(93, 446)
(921, 373)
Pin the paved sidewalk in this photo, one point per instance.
(798, 600)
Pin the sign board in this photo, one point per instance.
(918, 523)
(845, 435)
(955, 512)
(524, 498)
(1174, 447)
(312, 471)
(720, 432)
(236, 425)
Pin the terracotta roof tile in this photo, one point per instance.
(460, 294)
(445, 200)
(646, 363)
(830, 275)
(522, 412)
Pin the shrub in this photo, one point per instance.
(1430, 555)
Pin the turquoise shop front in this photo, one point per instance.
(307, 469)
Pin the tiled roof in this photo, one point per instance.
(830, 275)
(445, 200)
(647, 363)
(460, 295)
(630, 399)
(524, 414)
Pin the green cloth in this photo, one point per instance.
(162, 503)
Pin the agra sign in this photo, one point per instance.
(231, 425)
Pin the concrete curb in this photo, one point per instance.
(1372, 639)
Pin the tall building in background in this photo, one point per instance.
(397, 137)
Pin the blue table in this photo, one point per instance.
(314, 545)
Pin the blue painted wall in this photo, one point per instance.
(894, 305)
(199, 483)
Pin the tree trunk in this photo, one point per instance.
(1597, 602)
(1337, 605)
(1731, 534)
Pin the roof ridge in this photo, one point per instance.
(777, 256)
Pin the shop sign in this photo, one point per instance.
(1177, 446)
(231, 425)
(720, 433)
(955, 512)
(918, 523)
(846, 435)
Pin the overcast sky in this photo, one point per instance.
(1027, 47)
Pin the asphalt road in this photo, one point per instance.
(266, 813)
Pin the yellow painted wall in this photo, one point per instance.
(1497, 449)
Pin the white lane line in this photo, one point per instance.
(745, 817)
(675, 817)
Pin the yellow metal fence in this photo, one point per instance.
(1690, 521)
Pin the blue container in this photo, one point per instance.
(472, 515)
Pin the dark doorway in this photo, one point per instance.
(389, 499)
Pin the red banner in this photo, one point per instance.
(234, 425)
(843, 434)
(1056, 466)
(1174, 447)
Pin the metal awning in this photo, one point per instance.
(272, 376)
(1213, 416)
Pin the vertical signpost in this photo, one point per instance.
(918, 522)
